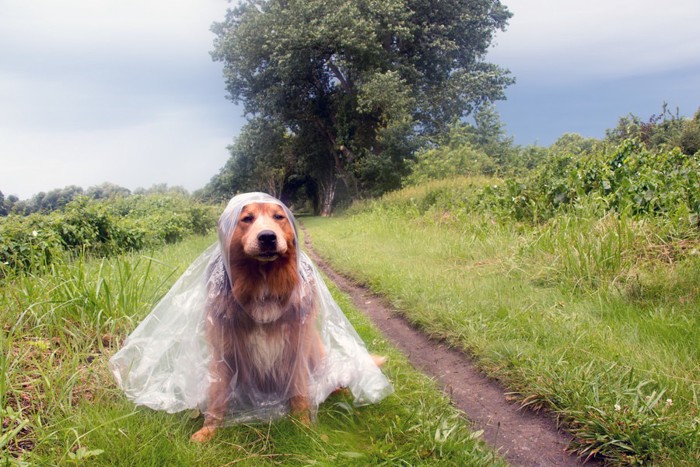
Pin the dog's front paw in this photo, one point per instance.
(379, 360)
(205, 434)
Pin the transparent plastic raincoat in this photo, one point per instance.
(164, 363)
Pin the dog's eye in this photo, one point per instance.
(247, 219)
(278, 217)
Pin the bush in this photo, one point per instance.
(629, 179)
(27, 242)
(100, 227)
(450, 161)
(690, 136)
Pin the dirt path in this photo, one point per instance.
(523, 437)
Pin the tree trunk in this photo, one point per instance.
(327, 194)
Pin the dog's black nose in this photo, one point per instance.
(267, 238)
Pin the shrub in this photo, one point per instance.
(450, 161)
(690, 136)
(628, 179)
(100, 227)
(27, 243)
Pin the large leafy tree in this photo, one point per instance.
(362, 79)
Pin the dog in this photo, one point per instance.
(260, 320)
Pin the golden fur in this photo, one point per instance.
(261, 326)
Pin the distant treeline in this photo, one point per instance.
(100, 227)
(45, 202)
(485, 149)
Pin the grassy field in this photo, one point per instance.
(60, 405)
(590, 316)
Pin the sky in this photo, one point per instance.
(125, 91)
(581, 65)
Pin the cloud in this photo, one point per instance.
(111, 90)
(128, 27)
(582, 40)
(177, 148)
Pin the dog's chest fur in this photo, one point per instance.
(266, 347)
(266, 309)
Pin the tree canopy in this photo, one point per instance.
(349, 89)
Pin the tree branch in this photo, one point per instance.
(339, 75)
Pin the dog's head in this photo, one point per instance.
(258, 228)
(263, 232)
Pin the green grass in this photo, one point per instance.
(585, 316)
(60, 405)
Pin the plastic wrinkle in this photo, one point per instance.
(166, 362)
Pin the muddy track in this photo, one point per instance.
(524, 438)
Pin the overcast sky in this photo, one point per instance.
(580, 65)
(125, 91)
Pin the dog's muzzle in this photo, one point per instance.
(267, 243)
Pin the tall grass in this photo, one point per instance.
(592, 317)
(60, 405)
(60, 325)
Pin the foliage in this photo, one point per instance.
(690, 136)
(356, 82)
(629, 179)
(261, 159)
(446, 161)
(664, 131)
(99, 227)
(488, 134)
(26, 243)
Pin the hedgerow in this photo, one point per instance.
(629, 179)
(100, 227)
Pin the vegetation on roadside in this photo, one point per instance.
(100, 227)
(60, 405)
(577, 285)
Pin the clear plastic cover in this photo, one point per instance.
(166, 362)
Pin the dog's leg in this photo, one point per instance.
(299, 403)
(300, 409)
(219, 392)
(379, 360)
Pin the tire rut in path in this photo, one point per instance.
(521, 436)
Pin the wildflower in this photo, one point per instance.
(669, 402)
(617, 407)
(34, 233)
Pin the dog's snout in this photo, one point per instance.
(267, 238)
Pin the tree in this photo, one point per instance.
(262, 159)
(661, 131)
(574, 144)
(690, 136)
(47, 202)
(107, 190)
(361, 78)
(7, 203)
(490, 136)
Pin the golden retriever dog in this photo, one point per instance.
(260, 323)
